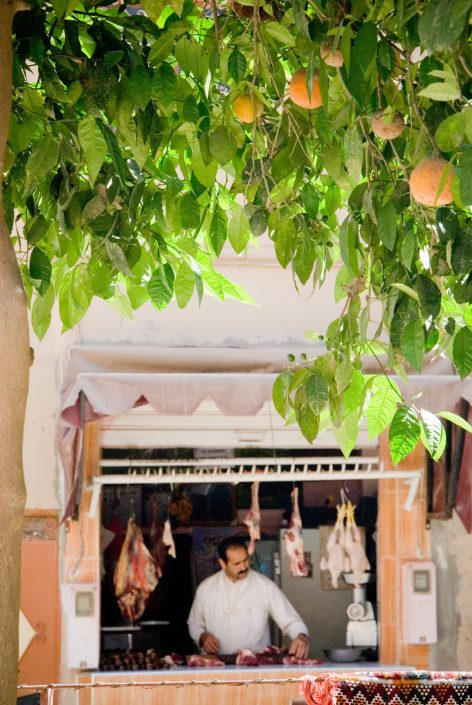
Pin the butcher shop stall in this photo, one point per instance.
(145, 520)
(315, 539)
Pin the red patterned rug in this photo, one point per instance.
(392, 688)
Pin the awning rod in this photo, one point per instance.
(330, 461)
(236, 470)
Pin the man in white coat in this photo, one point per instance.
(231, 609)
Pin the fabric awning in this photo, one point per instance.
(108, 381)
(111, 380)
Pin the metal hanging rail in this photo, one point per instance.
(235, 470)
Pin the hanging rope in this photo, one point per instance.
(50, 687)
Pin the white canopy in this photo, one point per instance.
(110, 380)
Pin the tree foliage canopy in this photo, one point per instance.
(131, 164)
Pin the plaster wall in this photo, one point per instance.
(452, 554)
(281, 318)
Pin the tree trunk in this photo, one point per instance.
(14, 370)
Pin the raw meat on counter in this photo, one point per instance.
(272, 656)
(293, 540)
(135, 575)
(245, 657)
(204, 661)
(253, 519)
(128, 660)
(337, 561)
(294, 661)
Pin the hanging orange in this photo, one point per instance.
(430, 182)
(247, 108)
(298, 91)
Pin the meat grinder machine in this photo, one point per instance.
(362, 626)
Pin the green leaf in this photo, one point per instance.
(407, 290)
(404, 433)
(193, 58)
(412, 344)
(462, 352)
(153, 8)
(93, 145)
(365, 49)
(139, 86)
(353, 396)
(234, 291)
(458, 420)
(218, 230)
(74, 296)
(189, 211)
(239, 230)
(354, 152)
(387, 225)
(461, 254)
(36, 228)
(346, 435)
(280, 33)
(310, 200)
(41, 312)
(42, 160)
(223, 146)
(280, 392)
(347, 244)
(115, 153)
(284, 241)
(205, 173)
(445, 92)
(177, 6)
(382, 405)
(161, 48)
(316, 392)
(40, 268)
(450, 133)
(442, 22)
(161, 286)
(432, 434)
(237, 65)
(465, 175)
(308, 422)
(429, 295)
(184, 284)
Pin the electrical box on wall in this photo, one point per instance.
(81, 608)
(419, 603)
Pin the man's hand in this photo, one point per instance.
(299, 646)
(209, 643)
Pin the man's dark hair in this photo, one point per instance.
(230, 542)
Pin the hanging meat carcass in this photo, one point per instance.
(253, 519)
(135, 575)
(336, 561)
(293, 540)
(354, 547)
(158, 547)
(168, 539)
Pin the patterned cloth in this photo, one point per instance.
(392, 688)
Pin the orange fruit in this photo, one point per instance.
(425, 182)
(387, 130)
(247, 108)
(331, 57)
(298, 91)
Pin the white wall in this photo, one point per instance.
(280, 320)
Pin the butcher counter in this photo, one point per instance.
(259, 693)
